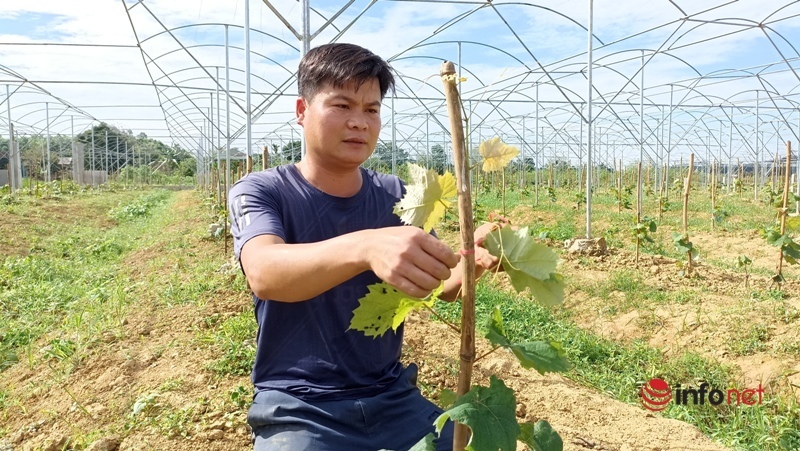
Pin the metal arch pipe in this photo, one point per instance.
(261, 55)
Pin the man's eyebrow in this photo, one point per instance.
(349, 99)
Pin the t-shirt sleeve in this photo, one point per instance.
(255, 209)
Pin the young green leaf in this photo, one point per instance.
(683, 244)
(540, 437)
(792, 223)
(426, 444)
(427, 197)
(447, 398)
(520, 254)
(548, 292)
(743, 261)
(528, 264)
(543, 356)
(385, 307)
(496, 154)
(489, 413)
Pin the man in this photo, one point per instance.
(310, 238)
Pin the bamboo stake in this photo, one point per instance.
(265, 158)
(784, 209)
(686, 211)
(467, 352)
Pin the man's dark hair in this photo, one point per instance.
(340, 65)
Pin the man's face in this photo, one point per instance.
(341, 124)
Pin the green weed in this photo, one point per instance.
(236, 338)
(140, 208)
(750, 340)
(72, 276)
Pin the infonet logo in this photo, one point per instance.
(656, 395)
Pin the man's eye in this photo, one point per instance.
(341, 105)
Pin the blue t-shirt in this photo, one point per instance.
(304, 348)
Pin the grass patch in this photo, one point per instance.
(750, 340)
(620, 369)
(635, 292)
(139, 208)
(235, 337)
(70, 279)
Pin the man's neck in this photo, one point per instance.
(339, 183)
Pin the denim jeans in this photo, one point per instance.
(394, 419)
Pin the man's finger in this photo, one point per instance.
(440, 252)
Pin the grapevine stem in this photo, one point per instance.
(486, 353)
(449, 324)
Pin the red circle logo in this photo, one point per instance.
(655, 395)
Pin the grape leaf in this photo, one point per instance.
(489, 413)
(427, 197)
(543, 356)
(548, 292)
(540, 437)
(519, 253)
(385, 307)
(447, 397)
(792, 223)
(528, 264)
(496, 154)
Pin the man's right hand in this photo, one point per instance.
(409, 259)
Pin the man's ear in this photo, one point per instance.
(300, 108)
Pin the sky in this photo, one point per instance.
(510, 53)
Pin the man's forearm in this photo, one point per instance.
(298, 272)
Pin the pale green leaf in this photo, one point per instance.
(497, 331)
(446, 398)
(540, 437)
(543, 356)
(489, 413)
(496, 154)
(548, 292)
(521, 255)
(385, 307)
(792, 223)
(428, 195)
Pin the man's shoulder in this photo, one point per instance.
(391, 183)
(263, 180)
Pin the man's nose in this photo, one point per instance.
(357, 121)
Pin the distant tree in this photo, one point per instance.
(291, 151)
(381, 158)
(438, 158)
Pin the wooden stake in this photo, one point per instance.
(783, 210)
(265, 159)
(686, 211)
(467, 352)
